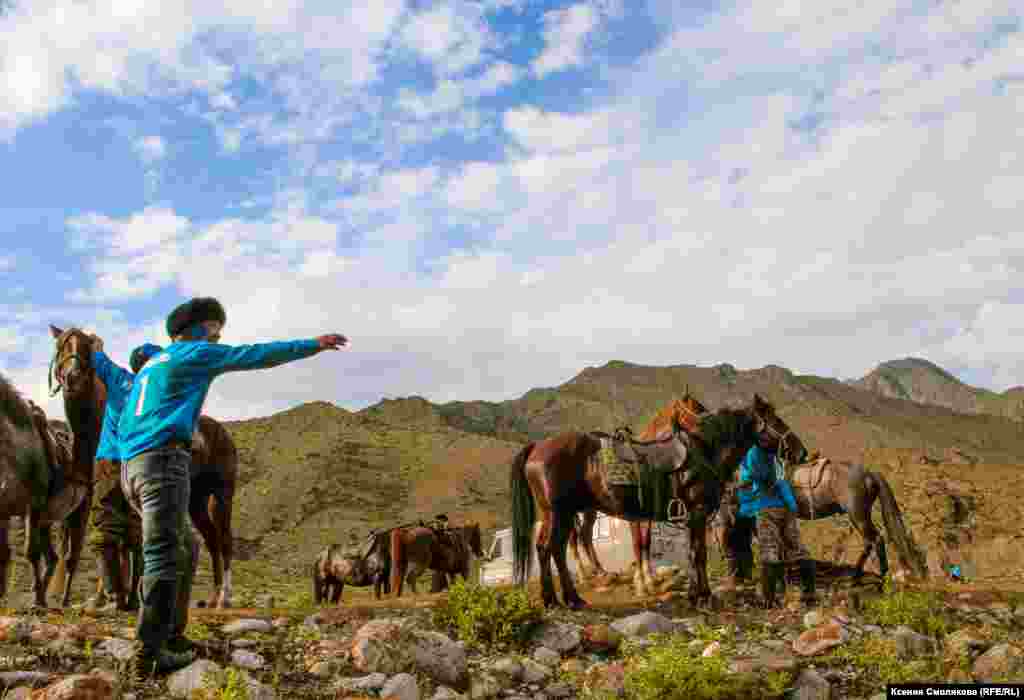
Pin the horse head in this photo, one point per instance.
(71, 366)
(774, 434)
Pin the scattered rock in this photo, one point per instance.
(643, 624)
(9, 678)
(246, 626)
(558, 636)
(401, 687)
(78, 687)
(548, 657)
(120, 649)
(810, 685)
(508, 667)
(1003, 661)
(248, 659)
(199, 674)
(909, 643)
(817, 640)
(374, 681)
(534, 671)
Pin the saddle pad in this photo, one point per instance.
(616, 472)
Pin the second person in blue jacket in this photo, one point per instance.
(770, 499)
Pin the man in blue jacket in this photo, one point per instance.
(769, 498)
(116, 528)
(156, 437)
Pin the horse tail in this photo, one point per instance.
(907, 549)
(524, 513)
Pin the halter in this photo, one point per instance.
(765, 426)
(56, 373)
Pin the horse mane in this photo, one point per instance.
(664, 418)
(726, 424)
(14, 405)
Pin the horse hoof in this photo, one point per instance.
(577, 604)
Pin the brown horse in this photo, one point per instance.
(685, 412)
(564, 475)
(31, 457)
(214, 456)
(824, 488)
(334, 569)
(415, 549)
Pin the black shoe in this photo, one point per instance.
(162, 662)
(808, 594)
(773, 580)
(181, 644)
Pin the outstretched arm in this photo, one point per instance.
(218, 359)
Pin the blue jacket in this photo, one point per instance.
(168, 393)
(768, 491)
(118, 382)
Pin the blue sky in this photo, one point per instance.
(489, 196)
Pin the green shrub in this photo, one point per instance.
(922, 611)
(485, 616)
(672, 670)
(879, 664)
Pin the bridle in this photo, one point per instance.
(764, 426)
(55, 376)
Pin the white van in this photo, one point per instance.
(612, 540)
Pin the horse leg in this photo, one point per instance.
(700, 590)
(559, 539)
(339, 588)
(399, 563)
(35, 534)
(223, 510)
(647, 567)
(75, 527)
(547, 585)
(589, 520)
(582, 567)
(198, 509)
(5, 555)
(861, 521)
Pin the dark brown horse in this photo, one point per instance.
(564, 475)
(416, 549)
(214, 456)
(686, 412)
(31, 458)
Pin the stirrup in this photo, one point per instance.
(677, 510)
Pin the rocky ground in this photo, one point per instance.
(856, 641)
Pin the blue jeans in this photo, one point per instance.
(158, 486)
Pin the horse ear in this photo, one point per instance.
(55, 332)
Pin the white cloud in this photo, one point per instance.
(846, 211)
(53, 50)
(475, 187)
(451, 36)
(566, 35)
(150, 149)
